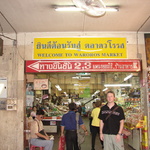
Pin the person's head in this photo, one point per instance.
(29, 88)
(72, 106)
(98, 103)
(110, 96)
(93, 104)
(34, 108)
(40, 114)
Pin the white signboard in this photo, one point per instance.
(3, 88)
(40, 84)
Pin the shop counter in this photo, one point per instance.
(52, 124)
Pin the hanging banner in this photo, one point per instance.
(97, 65)
(79, 48)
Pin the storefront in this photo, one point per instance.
(56, 83)
(22, 47)
(57, 78)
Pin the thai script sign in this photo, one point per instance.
(96, 65)
(81, 48)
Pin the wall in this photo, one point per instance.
(12, 67)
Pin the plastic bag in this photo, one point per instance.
(81, 137)
(62, 142)
(126, 132)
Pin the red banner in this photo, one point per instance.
(97, 65)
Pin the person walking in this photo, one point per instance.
(69, 124)
(90, 118)
(79, 109)
(111, 124)
(95, 123)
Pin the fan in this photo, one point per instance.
(91, 7)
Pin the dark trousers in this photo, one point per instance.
(95, 131)
(90, 121)
(71, 140)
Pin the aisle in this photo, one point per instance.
(87, 144)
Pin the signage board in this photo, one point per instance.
(3, 88)
(96, 65)
(40, 84)
(79, 48)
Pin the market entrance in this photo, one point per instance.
(55, 90)
(52, 91)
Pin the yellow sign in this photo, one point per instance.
(79, 48)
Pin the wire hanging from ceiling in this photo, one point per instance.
(14, 61)
(10, 26)
(14, 40)
(83, 25)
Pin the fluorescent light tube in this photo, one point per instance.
(85, 77)
(123, 95)
(117, 85)
(105, 89)
(112, 9)
(83, 74)
(75, 77)
(128, 77)
(74, 8)
(58, 87)
(80, 78)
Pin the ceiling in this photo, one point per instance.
(39, 16)
(95, 81)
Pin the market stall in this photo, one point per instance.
(53, 117)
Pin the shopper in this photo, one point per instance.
(95, 123)
(36, 127)
(90, 118)
(69, 124)
(79, 109)
(33, 112)
(111, 124)
(83, 110)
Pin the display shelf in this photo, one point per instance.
(148, 100)
(134, 117)
(134, 113)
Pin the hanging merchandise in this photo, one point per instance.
(145, 135)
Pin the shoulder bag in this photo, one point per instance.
(41, 132)
(124, 131)
(80, 132)
(112, 112)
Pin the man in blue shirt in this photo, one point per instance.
(69, 124)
